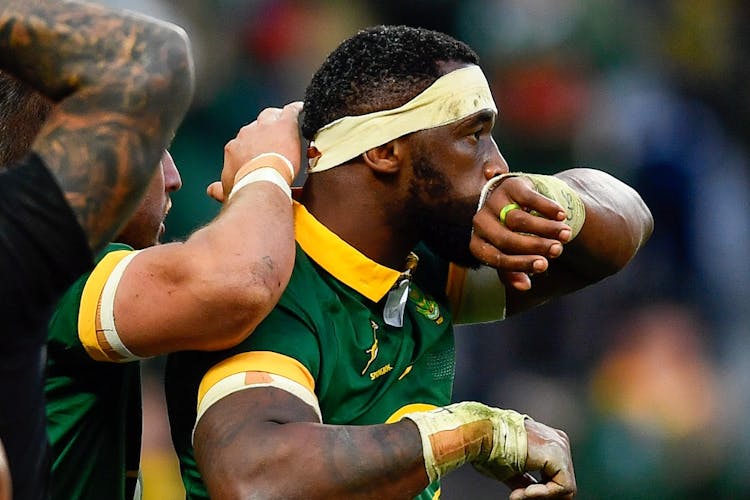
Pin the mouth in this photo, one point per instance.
(167, 208)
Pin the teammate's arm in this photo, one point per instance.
(122, 83)
(537, 257)
(212, 290)
(270, 443)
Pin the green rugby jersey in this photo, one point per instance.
(93, 407)
(328, 334)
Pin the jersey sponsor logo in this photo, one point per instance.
(426, 306)
(381, 371)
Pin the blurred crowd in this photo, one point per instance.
(648, 372)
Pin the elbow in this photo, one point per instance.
(240, 303)
(170, 79)
(636, 232)
(639, 226)
(255, 304)
(622, 224)
(609, 250)
(180, 68)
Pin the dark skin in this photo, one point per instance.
(385, 461)
(376, 461)
(121, 84)
(617, 224)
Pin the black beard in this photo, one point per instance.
(444, 222)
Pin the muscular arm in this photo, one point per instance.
(211, 291)
(265, 442)
(122, 83)
(617, 224)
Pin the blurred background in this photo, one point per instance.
(649, 371)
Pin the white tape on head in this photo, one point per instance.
(450, 98)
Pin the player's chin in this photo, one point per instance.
(160, 233)
(456, 251)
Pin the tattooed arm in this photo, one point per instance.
(122, 83)
(268, 442)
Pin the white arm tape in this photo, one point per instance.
(237, 382)
(267, 174)
(107, 309)
(490, 185)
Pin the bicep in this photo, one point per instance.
(236, 437)
(130, 303)
(235, 422)
(172, 298)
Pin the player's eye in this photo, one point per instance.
(476, 135)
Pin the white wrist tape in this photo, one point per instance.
(490, 438)
(490, 185)
(281, 157)
(551, 187)
(262, 174)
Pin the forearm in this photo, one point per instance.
(123, 83)
(212, 290)
(617, 224)
(314, 461)
(613, 223)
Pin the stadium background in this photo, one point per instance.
(649, 372)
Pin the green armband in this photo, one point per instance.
(552, 188)
(493, 440)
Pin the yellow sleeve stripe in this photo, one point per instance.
(89, 325)
(410, 408)
(258, 361)
(250, 380)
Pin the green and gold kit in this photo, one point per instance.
(93, 407)
(328, 334)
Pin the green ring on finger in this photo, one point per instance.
(507, 208)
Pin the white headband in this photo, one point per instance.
(450, 98)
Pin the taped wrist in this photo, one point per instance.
(269, 167)
(277, 161)
(550, 187)
(471, 432)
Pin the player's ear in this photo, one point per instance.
(385, 159)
